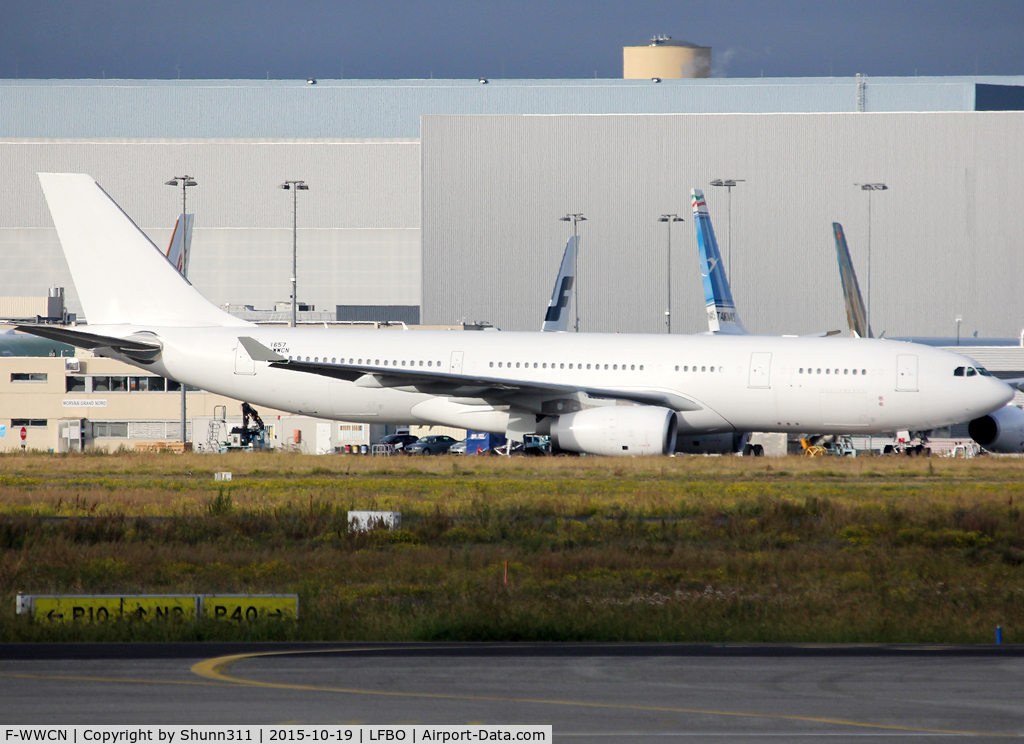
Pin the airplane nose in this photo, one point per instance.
(999, 394)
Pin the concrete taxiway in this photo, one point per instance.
(587, 692)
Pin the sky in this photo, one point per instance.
(296, 39)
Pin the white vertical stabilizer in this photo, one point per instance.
(121, 277)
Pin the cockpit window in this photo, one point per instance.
(958, 372)
(984, 372)
(971, 372)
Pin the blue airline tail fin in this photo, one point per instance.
(856, 313)
(557, 316)
(721, 310)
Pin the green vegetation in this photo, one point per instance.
(661, 549)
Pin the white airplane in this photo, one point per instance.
(999, 431)
(603, 394)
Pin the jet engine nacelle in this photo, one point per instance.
(727, 443)
(1000, 431)
(617, 430)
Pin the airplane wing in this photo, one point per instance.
(539, 397)
(557, 317)
(856, 313)
(722, 314)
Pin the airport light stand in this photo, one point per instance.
(669, 219)
(870, 187)
(296, 187)
(185, 182)
(575, 218)
(728, 183)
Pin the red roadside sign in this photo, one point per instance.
(24, 433)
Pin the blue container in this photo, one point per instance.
(482, 441)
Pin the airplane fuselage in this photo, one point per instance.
(735, 383)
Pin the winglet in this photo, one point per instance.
(856, 313)
(258, 351)
(721, 310)
(557, 316)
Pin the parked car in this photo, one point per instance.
(459, 448)
(435, 444)
(399, 441)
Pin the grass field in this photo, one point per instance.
(657, 549)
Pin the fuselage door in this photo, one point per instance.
(760, 369)
(244, 365)
(456, 368)
(906, 372)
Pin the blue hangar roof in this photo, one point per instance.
(260, 109)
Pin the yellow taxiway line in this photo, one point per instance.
(216, 669)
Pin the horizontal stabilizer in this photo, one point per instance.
(143, 350)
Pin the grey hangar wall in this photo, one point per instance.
(358, 237)
(945, 238)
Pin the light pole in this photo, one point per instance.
(575, 218)
(296, 187)
(668, 219)
(185, 182)
(959, 320)
(870, 187)
(728, 183)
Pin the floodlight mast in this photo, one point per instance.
(870, 187)
(575, 218)
(728, 183)
(669, 219)
(185, 182)
(295, 187)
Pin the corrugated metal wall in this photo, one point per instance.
(352, 183)
(946, 236)
(391, 108)
(359, 221)
(247, 266)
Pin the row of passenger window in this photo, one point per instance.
(577, 366)
(563, 365)
(373, 362)
(818, 371)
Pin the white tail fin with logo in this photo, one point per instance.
(721, 310)
(557, 317)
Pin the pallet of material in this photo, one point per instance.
(178, 447)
